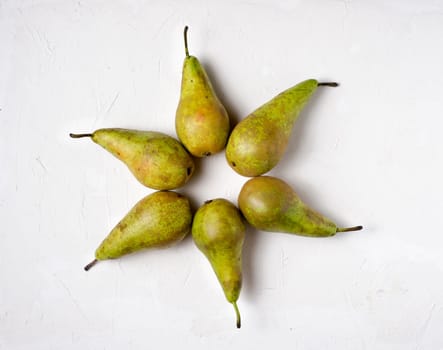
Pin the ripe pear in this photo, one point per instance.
(201, 122)
(157, 160)
(270, 204)
(158, 220)
(218, 231)
(259, 141)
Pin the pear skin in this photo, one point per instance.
(157, 160)
(201, 123)
(158, 220)
(270, 204)
(259, 141)
(218, 231)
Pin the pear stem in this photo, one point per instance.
(237, 313)
(329, 83)
(77, 136)
(185, 34)
(348, 229)
(92, 263)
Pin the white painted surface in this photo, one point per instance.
(369, 152)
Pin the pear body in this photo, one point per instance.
(201, 123)
(259, 141)
(157, 160)
(270, 204)
(158, 220)
(218, 231)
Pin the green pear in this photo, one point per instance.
(158, 220)
(270, 204)
(201, 122)
(259, 141)
(157, 160)
(218, 231)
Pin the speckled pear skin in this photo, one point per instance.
(218, 231)
(158, 220)
(157, 160)
(270, 204)
(201, 123)
(258, 142)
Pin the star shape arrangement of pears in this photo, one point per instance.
(253, 148)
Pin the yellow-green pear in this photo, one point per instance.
(201, 122)
(259, 141)
(157, 160)
(270, 204)
(218, 231)
(158, 220)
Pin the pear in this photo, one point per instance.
(259, 141)
(158, 220)
(157, 160)
(201, 122)
(270, 204)
(218, 231)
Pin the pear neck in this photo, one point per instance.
(194, 79)
(287, 105)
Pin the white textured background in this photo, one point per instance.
(369, 152)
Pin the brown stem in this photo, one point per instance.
(329, 83)
(237, 314)
(348, 229)
(92, 263)
(185, 34)
(77, 136)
